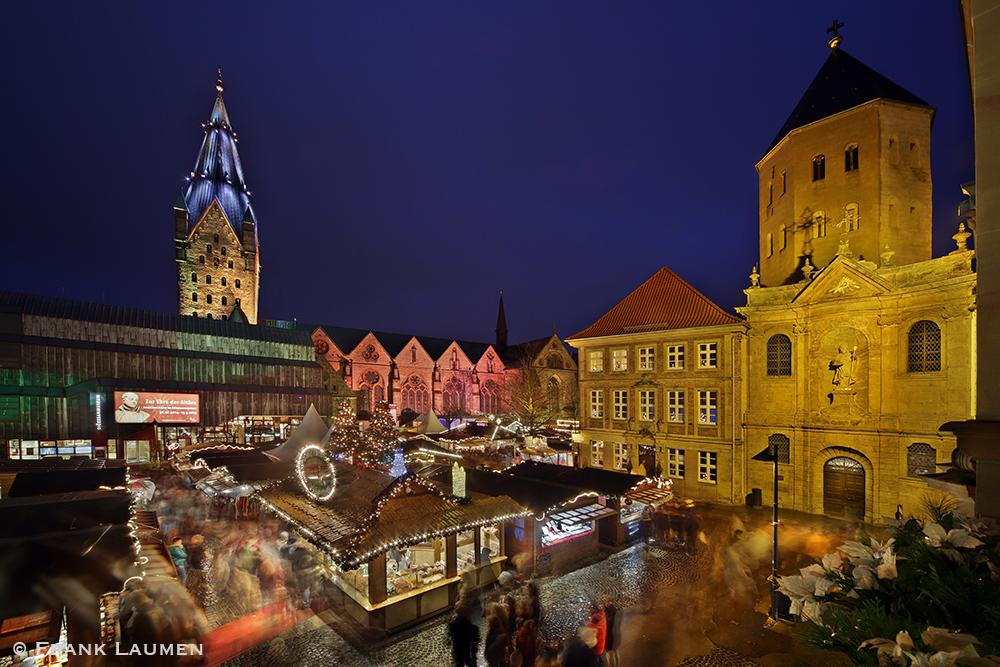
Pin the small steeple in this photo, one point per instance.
(501, 326)
(218, 83)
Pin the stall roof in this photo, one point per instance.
(651, 494)
(604, 482)
(581, 514)
(536, 495)
(374, 511)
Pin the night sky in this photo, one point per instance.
(410, 160)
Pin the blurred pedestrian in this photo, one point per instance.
(464, 637)
(531, 593)
(178, 554)
(610, 650)
(646, 526)
(527, 642)
(497, 646)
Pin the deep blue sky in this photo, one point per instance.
(409, 160)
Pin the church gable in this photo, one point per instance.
(843, 278)
(326, 347)
(214, 222)
(454, 358)
(370, 351)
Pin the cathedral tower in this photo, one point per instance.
(849, 172)
(215, 230)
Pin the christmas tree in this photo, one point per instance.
(346, 436)
(380, 438)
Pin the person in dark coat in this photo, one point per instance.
(497, 642)
(464, 637)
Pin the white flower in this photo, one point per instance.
(955, 538)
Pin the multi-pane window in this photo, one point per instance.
(675, 463)
(780, 446)
(621, 455)
(619, 360)
(597, 403)
(708, 405)
(924, 348)
(675, 357)
(819, 224)
(597, 453)
(851, 217)
(819, 167)
(597, 361)
(851, 158)
(621, 404)
(675, 406)
(921, 459)
(708, 355)
(779, 355)
(647, 405)
(647, 358)
(707, 467)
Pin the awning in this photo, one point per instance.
(40, 627)
(582, 514)
(651, 495)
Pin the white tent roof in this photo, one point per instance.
(312, 430)
(431, 424)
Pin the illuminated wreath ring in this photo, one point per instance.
(301, 473)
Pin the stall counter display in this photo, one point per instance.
(466, 551)
(401, 582)
(354, 582)
(554, 532)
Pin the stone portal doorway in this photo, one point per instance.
(844, 489)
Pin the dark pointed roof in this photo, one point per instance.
(662, 303)
(218, 173)
(501, 325)
(843, 83)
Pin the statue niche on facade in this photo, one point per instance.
(843, 367)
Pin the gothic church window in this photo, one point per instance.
(924, 348)
(851, 158)
(552, 395)
(489, 398)
(779, 355)
(819, 167)
(780, 446)
(921, 459)
(453, 396)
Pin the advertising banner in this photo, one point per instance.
(145, 407)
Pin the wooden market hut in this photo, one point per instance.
(398, 549)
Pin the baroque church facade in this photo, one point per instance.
(860, 344)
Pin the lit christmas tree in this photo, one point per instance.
(346, 436)
(380, 438)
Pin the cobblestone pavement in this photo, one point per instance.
(622, 578)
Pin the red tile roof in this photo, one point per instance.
(662, 303)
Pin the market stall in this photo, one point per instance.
(396, 549)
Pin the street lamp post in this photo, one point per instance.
(771, 454)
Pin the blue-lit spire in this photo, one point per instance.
(218, 173)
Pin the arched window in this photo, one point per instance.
(779, 355)
(230, 264)
(921, 459)
(224, 301)
(208, 280)
(194, 277)
(782, 237)
(453, 395)
(819, 224)
(770, 193)
(781, 446)
(851, 158)
(223, 279)
(364, 398)
(194, 296)
(215, 239)
(208, 249)
(223, 250)
(555, 361)
(415, 395)
(819, 167)
(924, 348)
(201, 259)
(851, 219)
(208, 298)
(237, 282)
(454, 359)
(552, 395)
(784, 183)
(378, 394)
(489, 398)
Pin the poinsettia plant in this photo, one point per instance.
(926, 576)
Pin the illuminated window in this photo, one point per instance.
(675, 357)
(621, 403)
(851, 158)
(675, 406)
(924, 348)
(647, 358)
(647, 405)
(597, 403)
(237, 282)
(224, 301)
(779, 445)
(708, 355)
(597, 453)
(619, 360)
(597, 361)
(921, 459)
(223, 281)
(708, 404)
(194, 296)
(208, 280)
(707, 467)
(489, 398)
(819, 167)
(675, 463)
(779, 355)
(621, 455)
